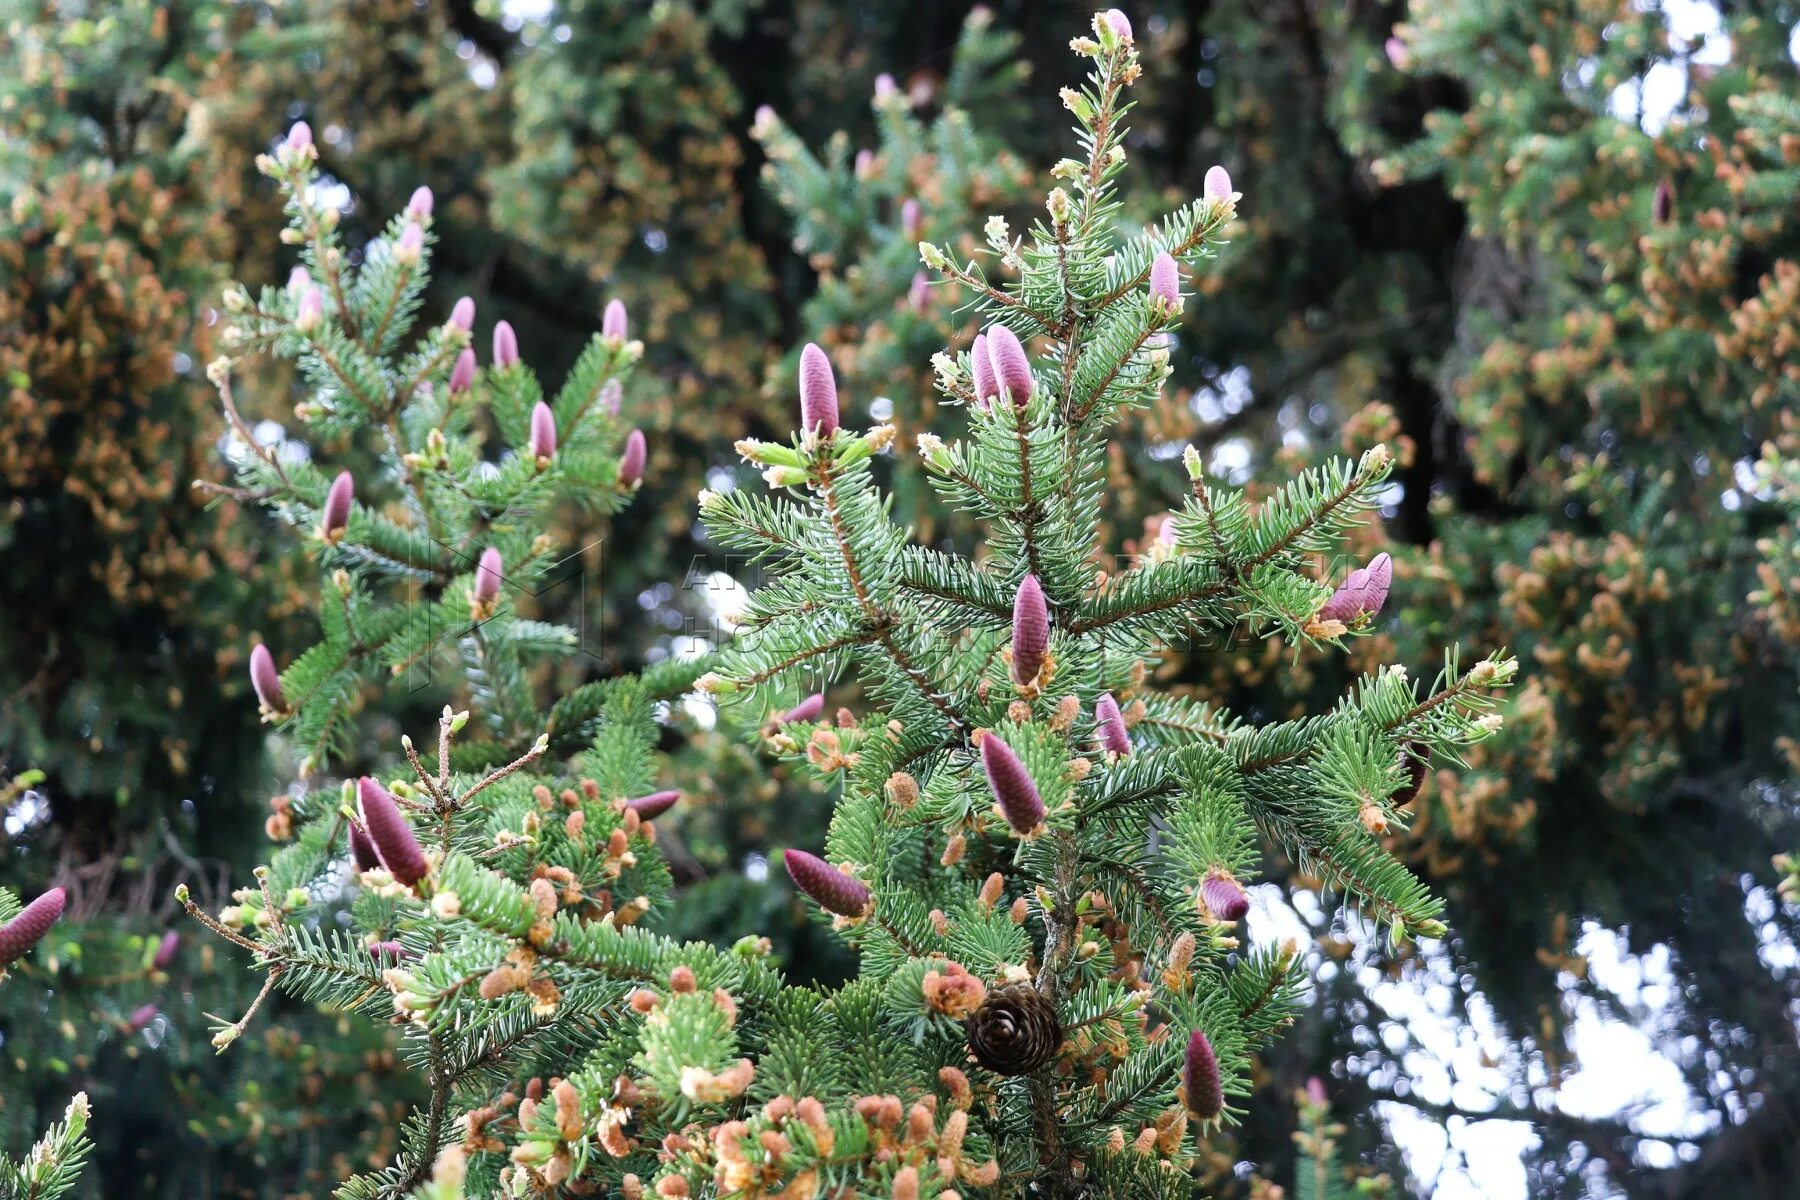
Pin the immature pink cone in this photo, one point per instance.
(865, 163)
(29, 927)
(165, 950)
(1011, 784)
(1011, 368)
(419, 207)
(1200, 1078)
(543, 431)
(631, 463)
(1217, 185)
(462, 375)
(1030, 631)
(1165, 281)
(298, 281)
(986, 388)
(362, 850)
(1365, 591)
(141, 1017)
(1315, 1090)
(807, 710)
(1397, 54)
(462, 314)
(1662, 205)
(392, 951)
(884, 86)
(299, 136)
(266, 679)
(910, 220)
(336, 514)
(1121, 24)
(829, 887)
(1224, 896)
(654, 805)
(412, 240)
(393, 837)
(506, 344)
(918, 293)
(311, 309)
(818, 392)
(1109, 725)
(613, 322)
(487, 576)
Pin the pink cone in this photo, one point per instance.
(336, 514)
(1011, 368)
(1365, 591)
(388, 830)
(165, 950)
(631, 463)
(1200, 1078)
(1030, 631)
(266, 679)
(918, 294)
(654, 805)
(141, 1017)
(487, 576)
(311, 309)
(1109, 725)
(543, 431)
(1011, 784)
(1165, 281)
(807, 710)
(28, 928)
(412, 239)
(1224, 896)
(392, 951)
(462, 314)
(983, 369)
(1121, 24)
(1662, 204)
(830, 888)
(614, 323)
(462, 375)
(421, 204)
(362, 850)
(1398, 55)
(910, 220)
(299, 136)
(1218, 184)
(818, 392)
(506, 345)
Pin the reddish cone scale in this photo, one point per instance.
(829, 887)
(28, 928)
(392, 836)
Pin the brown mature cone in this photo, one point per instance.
(1015, 1031)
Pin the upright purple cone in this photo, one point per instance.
(388, 830)
(1365, 591)
(336, 514)
(1012, 369)
(1224, 896)
(488, 573)
(266, 679)
(1012, 785)
(614, 324)
(1109, 725)
(506, 345)
(1030, 631)
(631, 462)
(1165, 281)
(543, 431)
(818, 392)
(28, 928)
(1200, 1078)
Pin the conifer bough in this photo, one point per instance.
(1042, 899)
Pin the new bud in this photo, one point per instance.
(1224, 896)
(543, 432)
(392, 836)
(1217, 185)
(336, 514)
(631, 463)
(885, 88)
(311, 309)
(614, 324)
(648, 808)
(1200, 1078)
(298, 281)
(299, 137)
(487, 577)
(28, 928)
(1109, 725)
(1013, 788)
(462, 375)
(1165, 283)
(462, 314)
(419, 207)
(818, 392)
(266, 679)
(506, 345)
(830, 888)
(1397, 54)
(1364, 592)
(1012, 370)
(1030, 632)
(1119, 23)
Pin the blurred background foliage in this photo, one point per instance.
(1550, 252)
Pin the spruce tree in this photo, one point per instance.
(1039, 859)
